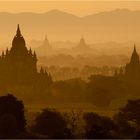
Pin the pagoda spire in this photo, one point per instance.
(18, 31)
(135, 51)
(82, 40)
(46, 41)
(135, 56)
(46, 38)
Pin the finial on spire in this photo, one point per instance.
(18, 31)
(82, 37)
(34, 54)
(135, 56)
(134, 51)
(82, 41)
(134, 48)
(46, 37)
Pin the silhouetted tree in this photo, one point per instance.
(128, 119)
(74, 121)
(98, 126)
(125, 129)
(51, 124)
(8, 126)
(12, 120)
(131, 111)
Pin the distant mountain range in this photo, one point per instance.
(117, 25)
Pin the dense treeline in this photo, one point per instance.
(65, 73)
(50, 123)
(99, 90)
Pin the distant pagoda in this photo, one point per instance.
(45, 48)
(82, 46)
(46, 44)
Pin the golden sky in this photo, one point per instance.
(78, 7)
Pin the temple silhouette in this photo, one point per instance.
(132, 69)
(131, 72)
(82, 46)
(45, 48)
(19, 65)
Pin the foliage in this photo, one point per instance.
(51, 124)
(98, 126)
(12, 120)
(128, 119)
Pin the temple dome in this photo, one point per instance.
(18, 42)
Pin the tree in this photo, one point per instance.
(128, 119)
(51, 124)
(98, 126)
(75, 123)
(12, 120)
(8, 126)
(131, 112)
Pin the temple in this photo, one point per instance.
(45, 48)
(19, 65)
(131, 71)
(82, 46)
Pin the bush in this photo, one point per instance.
(128, 119)
(12, 120)
(98, 126)
(8, 126)
(51, 124)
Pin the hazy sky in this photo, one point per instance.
(77, 7)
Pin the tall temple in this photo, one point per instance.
(132, 69)
(19, 65)
(131, 72)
